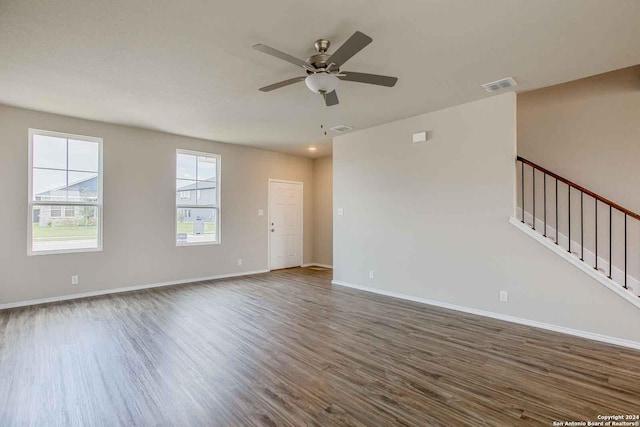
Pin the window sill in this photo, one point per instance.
(62, 252)
(181, 245)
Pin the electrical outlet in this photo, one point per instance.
(504, 296)
(260, 212)
(370, 274)
(340, 211)
(239, 261)
(74, 280)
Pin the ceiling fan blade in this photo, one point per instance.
(281, 55)
(353, 45)
(282, 84)
(373, 79)
(331, 98)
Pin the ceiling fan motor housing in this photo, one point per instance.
(318, 61)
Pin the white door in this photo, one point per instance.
(285, 224)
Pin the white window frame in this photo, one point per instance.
(217, 206)
(97, 204)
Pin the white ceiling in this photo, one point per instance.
(187, 66)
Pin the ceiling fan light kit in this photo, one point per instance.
(322, 82)
(323, 69)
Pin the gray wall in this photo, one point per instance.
(432, 221)
(323, 210)
(139, 169)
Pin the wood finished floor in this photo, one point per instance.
(287, 348)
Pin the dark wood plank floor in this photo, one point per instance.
(287, 348)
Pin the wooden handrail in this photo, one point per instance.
(581, 188)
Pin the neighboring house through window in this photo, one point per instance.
(198, 215)
(65, 186)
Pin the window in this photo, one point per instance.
(197, 218)
(65, 193)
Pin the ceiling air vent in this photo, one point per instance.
(499, 84)
(341, 128)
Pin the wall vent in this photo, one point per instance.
(499, 84)
(341, 128)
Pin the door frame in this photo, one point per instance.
(269, 218)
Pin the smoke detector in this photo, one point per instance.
(341, 128)
(499, 84)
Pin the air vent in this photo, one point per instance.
(341, 128)
(499, 84)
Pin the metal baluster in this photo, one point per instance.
(522, 163)
(581, 226)
(544, 175)
(556, 211)
(569, 220)
(610, 241)
(596, 223)
(625, 251)
(533, 173)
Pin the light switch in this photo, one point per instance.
(260, 212)
(340, 211)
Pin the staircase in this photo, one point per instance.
(595, 234)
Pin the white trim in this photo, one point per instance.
(64, 251)
(285, 181)
(270, 180)
(632, 283)
(189, 244)
(498, 316)
(126, 289)
(66, 135)
(99, 203)
(315, 264)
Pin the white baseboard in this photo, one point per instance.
(315, 264)
(627, 294)
(499, 316)
(126, 289)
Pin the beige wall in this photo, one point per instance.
(587, 131)
(432, 221)
(323, 210)
(139, 169)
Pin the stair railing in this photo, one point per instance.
(536, 170)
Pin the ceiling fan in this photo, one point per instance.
(323, 69)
